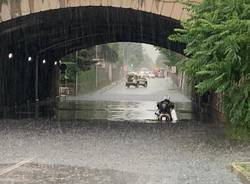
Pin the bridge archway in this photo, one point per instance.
(61, 31)
(52, 34)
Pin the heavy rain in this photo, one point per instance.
(94, 92)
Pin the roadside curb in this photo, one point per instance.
(236, 169)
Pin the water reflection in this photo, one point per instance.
(144, 110)
(91, 110)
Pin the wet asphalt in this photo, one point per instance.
(116, 102)
(128, 150)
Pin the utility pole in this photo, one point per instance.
(36, 87)
(76, 88)
(96, 67)
(97, 63)
(124, 64)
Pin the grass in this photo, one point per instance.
(244, 168)
(237, 133)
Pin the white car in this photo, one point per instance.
(142, 81)
(151, 75)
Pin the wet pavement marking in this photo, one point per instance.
(17, 165)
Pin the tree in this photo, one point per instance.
(168, 57)
(83, 60)
(131, 54)
(218, 47)
(3, 1)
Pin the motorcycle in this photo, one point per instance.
(167, 116)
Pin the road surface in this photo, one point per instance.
(116, 102)
(126, 151)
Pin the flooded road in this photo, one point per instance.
(116, 102)
(118, 142)
(143, 111)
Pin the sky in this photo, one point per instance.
(151, 51)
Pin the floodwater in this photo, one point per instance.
(115, 111)
(115, 103)
(98, 139)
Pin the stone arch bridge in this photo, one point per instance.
(51, 29)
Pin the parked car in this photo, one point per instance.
(132, 80)
(151, 75)
(143, 81)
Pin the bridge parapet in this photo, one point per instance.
(10, 9)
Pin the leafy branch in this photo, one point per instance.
(218, 47)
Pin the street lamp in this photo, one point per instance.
(10, 55)
(29, 59)
(44, 61)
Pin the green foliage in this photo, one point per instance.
(127, 53)
(87, 80)
(108, 52)
(71, 70)
(131, 53)
(218, 47)
(168, 57)
(83, 60)
(3, 1)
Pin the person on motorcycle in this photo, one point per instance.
(165, 106)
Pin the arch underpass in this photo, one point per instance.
(51, 29)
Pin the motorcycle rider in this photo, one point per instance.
(165, 106)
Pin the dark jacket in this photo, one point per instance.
(165, 106)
